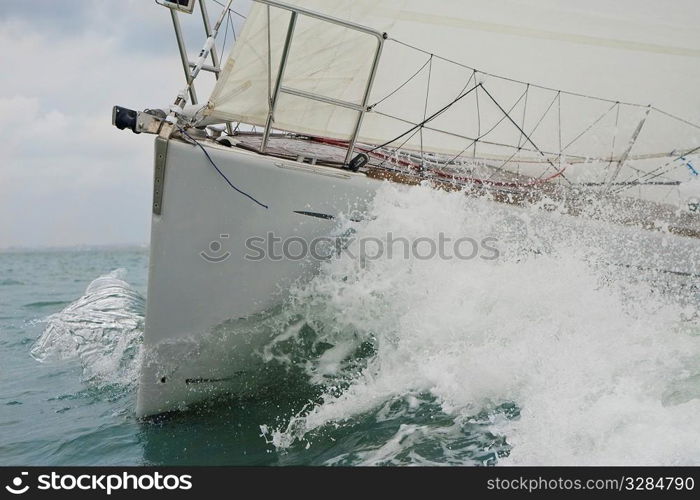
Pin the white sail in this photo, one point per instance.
(631, 51)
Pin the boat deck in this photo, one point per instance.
(406, 167)
(480, 178)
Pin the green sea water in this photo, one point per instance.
(57, 412)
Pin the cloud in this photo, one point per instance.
(67, 177)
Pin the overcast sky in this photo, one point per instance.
(67, 177)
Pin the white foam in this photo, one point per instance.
(599, 362)
(102, 329)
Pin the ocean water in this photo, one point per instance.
(561, 351)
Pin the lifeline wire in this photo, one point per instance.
(218, 170)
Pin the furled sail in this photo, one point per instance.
(428, 97)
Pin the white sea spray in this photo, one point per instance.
(571, 324)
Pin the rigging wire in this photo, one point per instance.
(561, 172)
(648, 176)
(615, 104)
(230, 9)
(513, 80)
(228, 181)
(426, 120)
(402, 85)
(481, 136)
(223, 44)
(524, 138)
(425, 110)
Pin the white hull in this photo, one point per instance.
(190, 298)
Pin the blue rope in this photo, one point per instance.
(690, 166)
(220, 172)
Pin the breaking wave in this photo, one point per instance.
(580, 344)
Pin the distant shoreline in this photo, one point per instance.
(76, 248)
